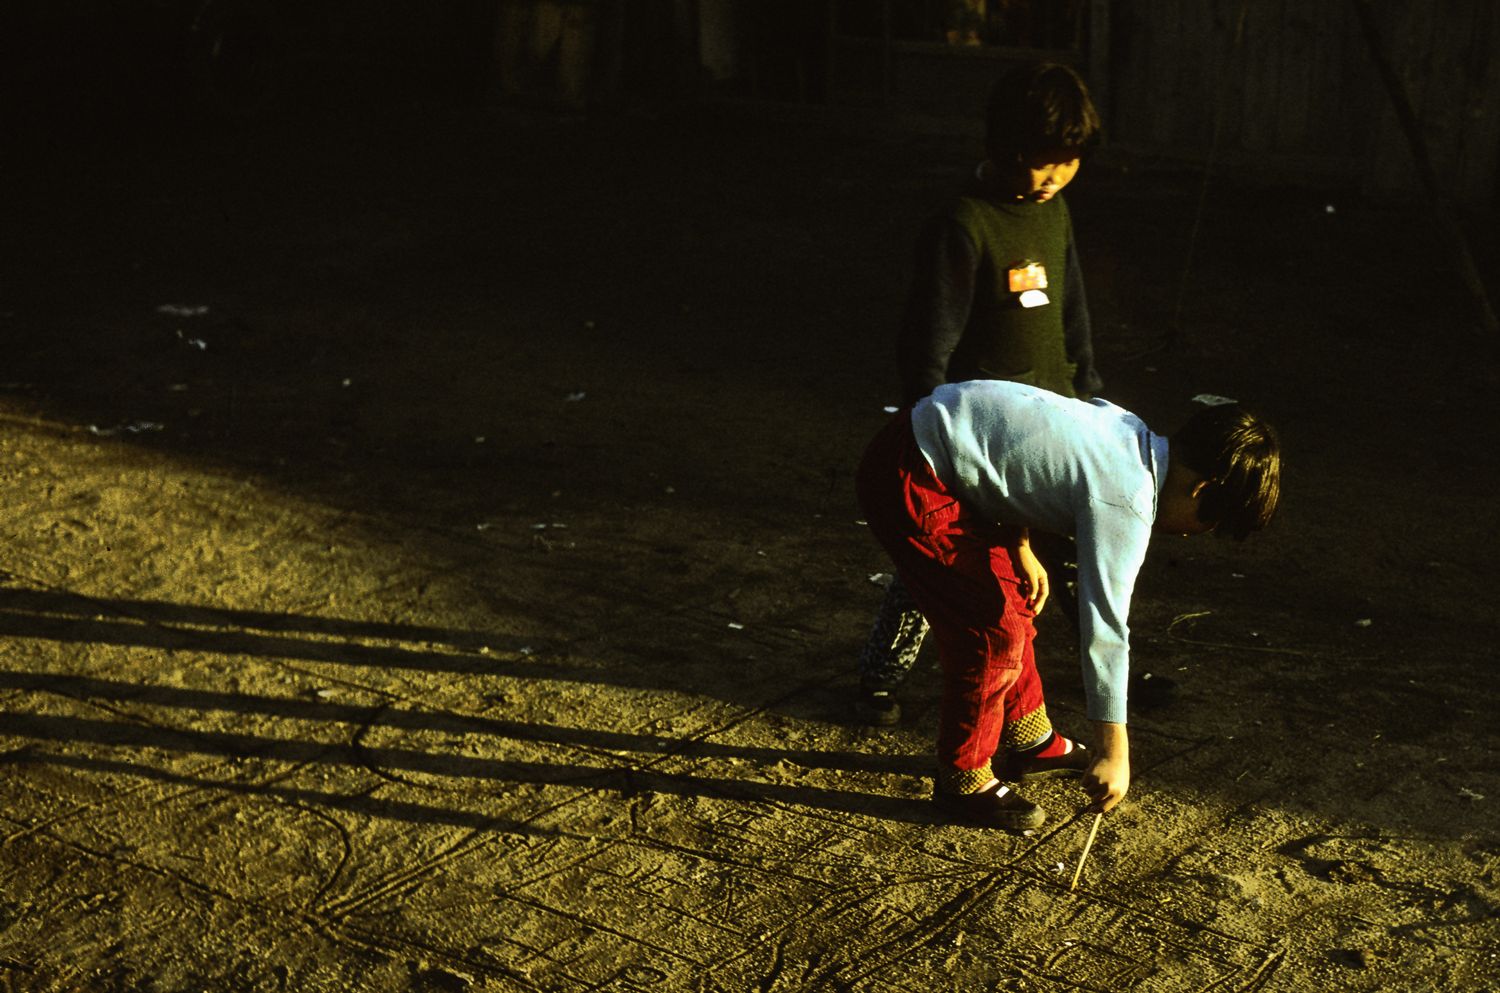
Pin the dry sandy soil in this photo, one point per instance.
(457, 585)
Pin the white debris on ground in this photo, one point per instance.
(134, 427)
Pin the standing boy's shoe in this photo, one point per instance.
(1053, 756)
(995, 806)
(876, 703)
(877, 707)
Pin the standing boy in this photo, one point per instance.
(953, 487)
(997, 294)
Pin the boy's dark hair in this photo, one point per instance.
(1239, 455)
(1037, 108)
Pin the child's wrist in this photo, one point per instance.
(1111, 740)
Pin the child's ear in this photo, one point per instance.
(1204, 494)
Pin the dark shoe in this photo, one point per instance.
(996, 807)
(877, 707)
(1018, 767)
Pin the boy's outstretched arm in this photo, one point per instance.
(1108, 778)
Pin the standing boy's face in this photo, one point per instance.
(1042, 176)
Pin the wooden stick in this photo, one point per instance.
(1086, 846)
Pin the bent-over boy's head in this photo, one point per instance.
(1238, 456)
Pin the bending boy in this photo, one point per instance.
(951, 488)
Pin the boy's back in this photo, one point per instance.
(1030, 457)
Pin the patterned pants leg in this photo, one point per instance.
(894, 642)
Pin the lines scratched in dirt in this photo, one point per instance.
(629, 835)
(496, 827)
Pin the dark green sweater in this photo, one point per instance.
(963, 322)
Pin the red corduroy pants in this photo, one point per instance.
(963, 579)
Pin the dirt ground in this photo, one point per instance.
(431, 563)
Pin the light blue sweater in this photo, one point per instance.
(1023, 456)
